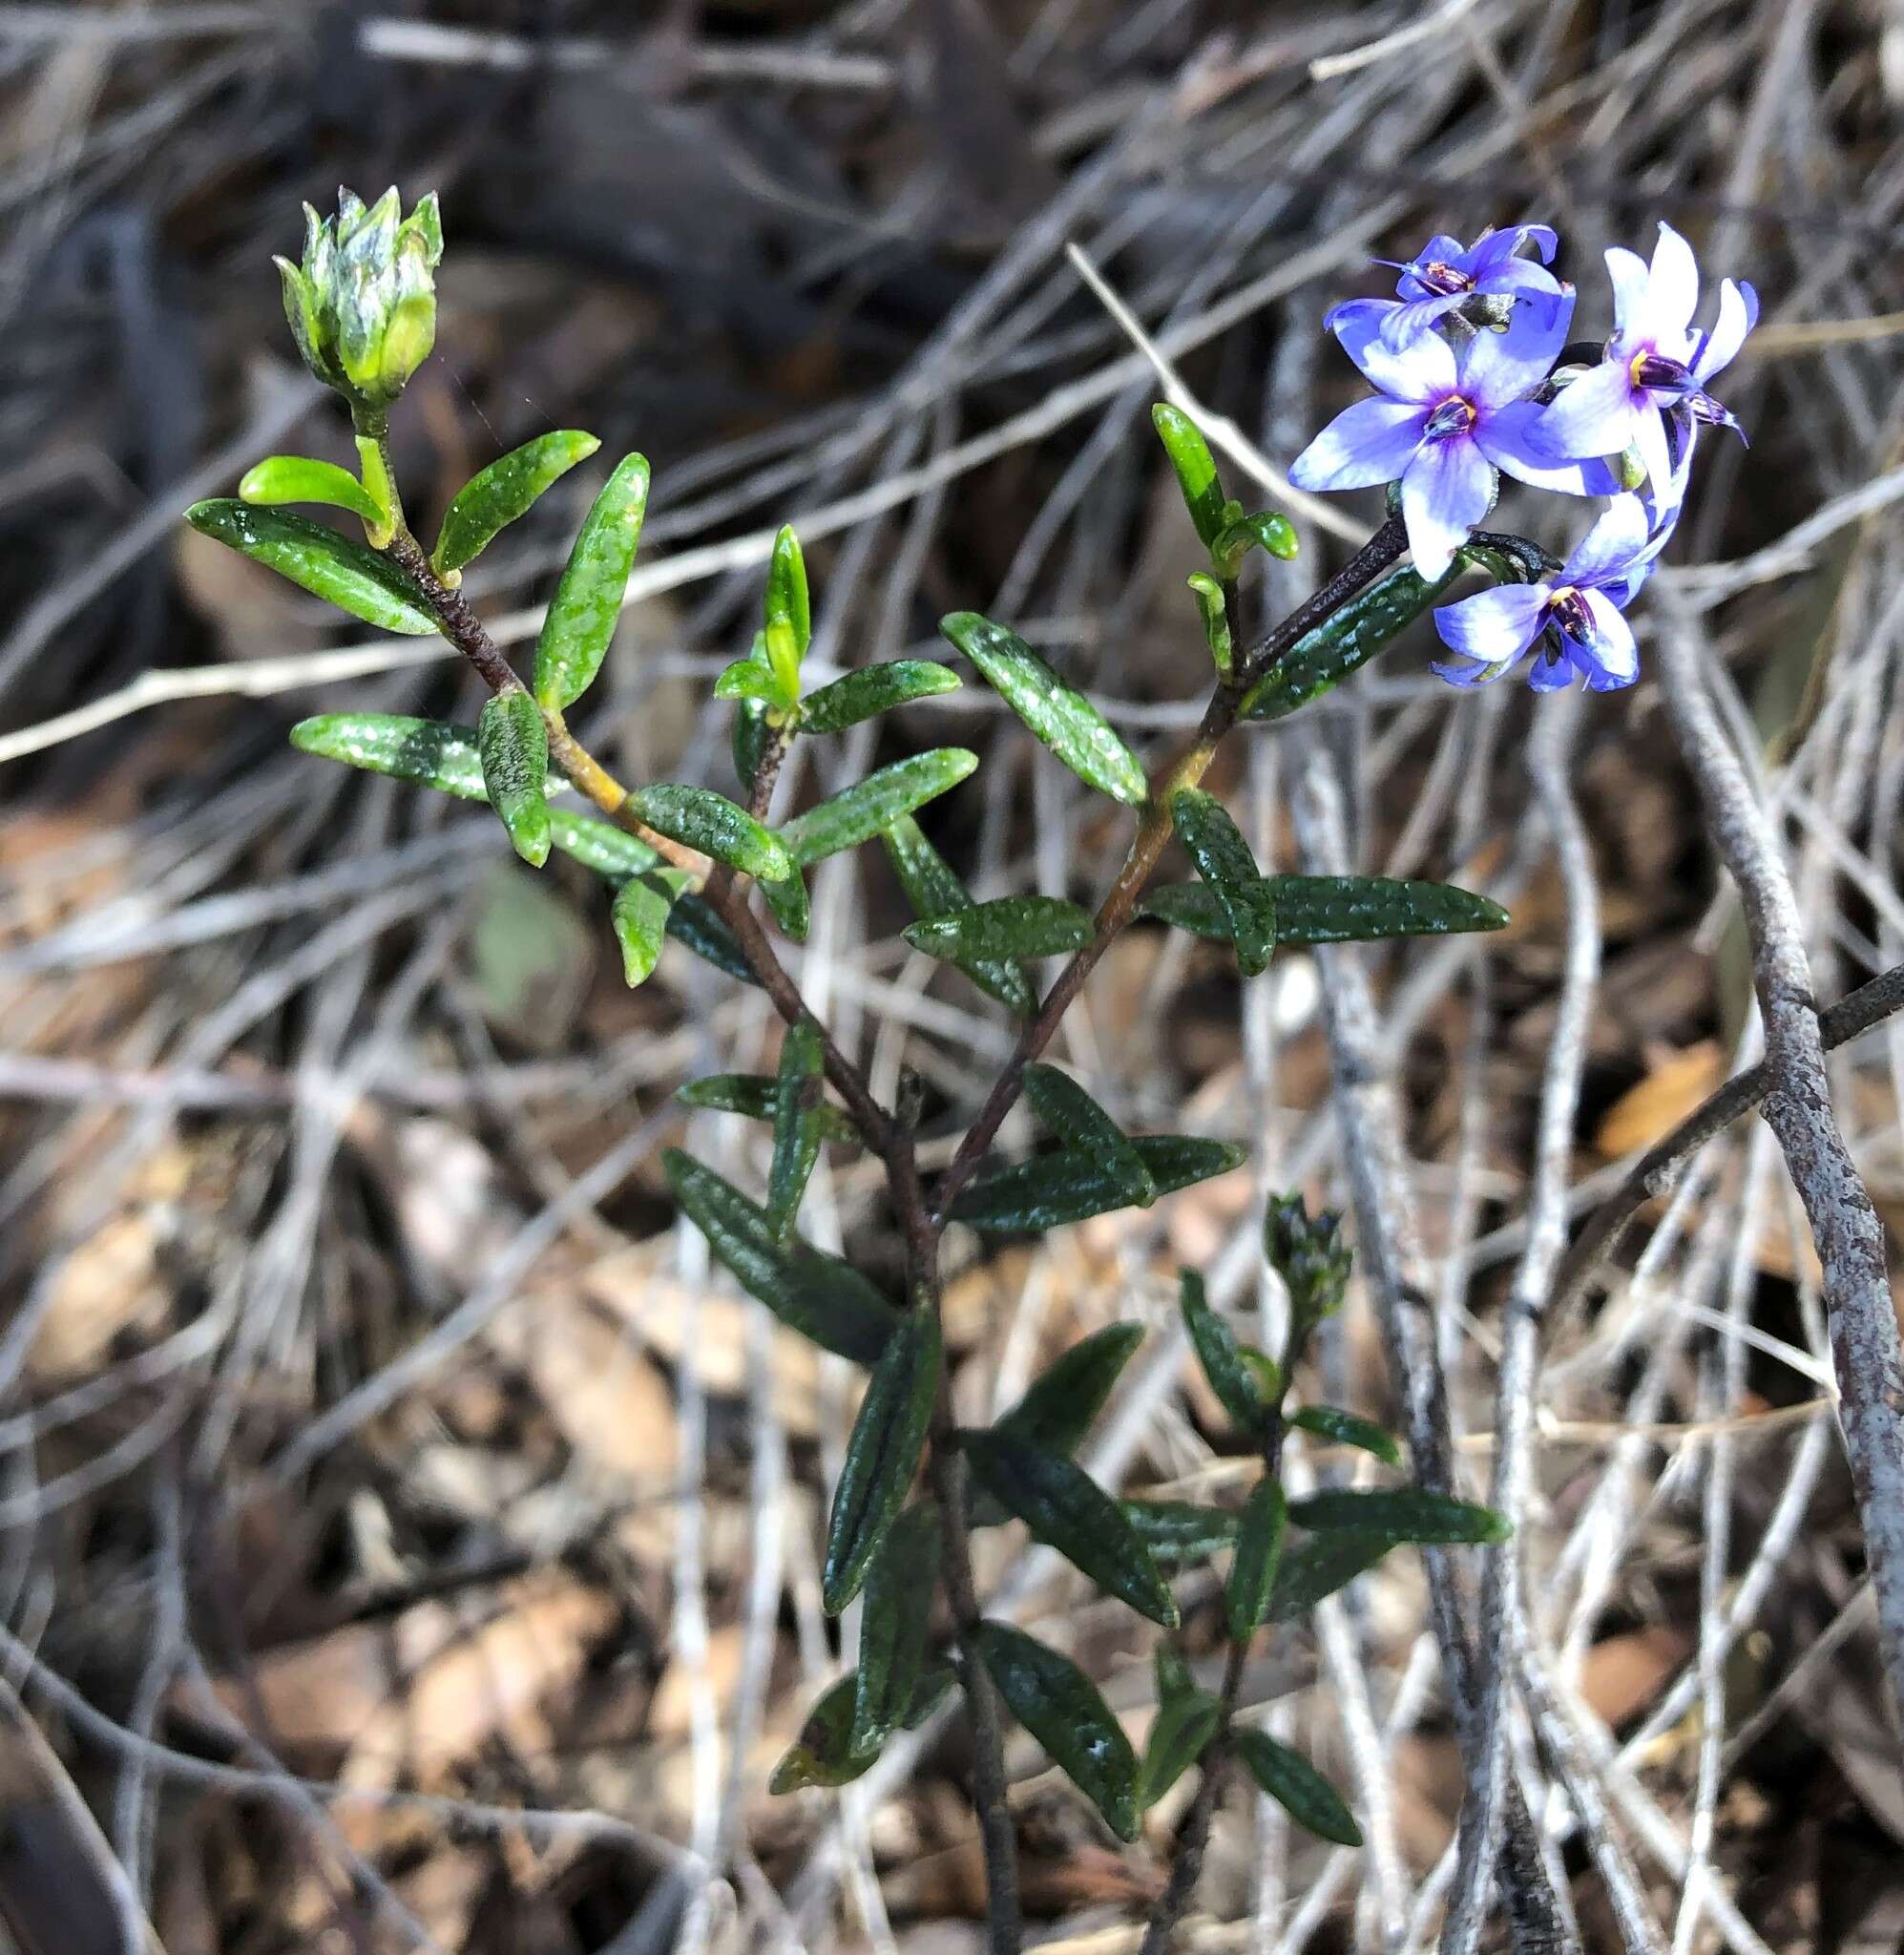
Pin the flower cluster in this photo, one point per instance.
(1474, 377)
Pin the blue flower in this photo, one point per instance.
(1579, 610)
(1448, 420)
(1446, 274)
(1650, 391)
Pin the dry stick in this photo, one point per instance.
(1860, 1311)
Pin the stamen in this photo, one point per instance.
(1655, 370)
(1445, 277)
(1454, 416)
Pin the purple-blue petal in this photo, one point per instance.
(1422, 371)
(1592, 415)
(1610, 653)
(1510, 438)
(1501, 366)
(1495, 627)
(1672, 293)
(1447, 490)
(1369, 443)
(1611, 548)
(1415, 316)
(1738, 314)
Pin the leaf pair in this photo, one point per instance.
(1229, 873)
(933, 890)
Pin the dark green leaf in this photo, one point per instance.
(882, 1453)
(787, 898)
(1264, 531)
(507, 488)
(1178, 1532)
(747, 740)
(1053, 1190)
(1297, 1786)
(1219, 1355)
(874, 690)
(1065, 1508)
(1058, 1705)
(1196, 470)
(826, 1751)
(862, 812)
(694, 923)
(600, 844)
(756, 1096)
(1074, 730)
(818, 1296)
(1402, 1513)
(1331, 908)
(933, 890)
(1346, 1429)
(797, 1128)
(1084, 1128)
(716, 826)
(1215, 613)
(514, 747)
(411, 749)
(1259, 1548)
(1181, 1734)
(640, 915)
(1315, 1568)
(789, 618)
(350, 575)
(1322, 659)
(299, 479)
(935, 1681)
(581, 615)
(893, 1624)
(1010, 927)
(1223, 861)
(1174, 1680)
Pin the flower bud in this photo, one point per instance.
(1309, 1254)
(363, 304)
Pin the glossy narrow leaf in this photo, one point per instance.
(789, 618)
(748, 679)
(893, 1624)
(514, 748)
(1058, 714)
(792, 909)
(411, 749)
(935, 1682)
(1066, 1509)
(1052, 1189)
(1196, 470)
(882, 1454)
(819, 1295)
(797, 1128)
(826, 1751)
(747, 740)
(639, 916)
(1331, 908)
(580, 620)
(756, 1096)
(874, 690)
(1264, 531)
(1322, 659)
(1184, 1728)
(1215, 614)
(1219, 1355)
(1010, 927)
(1174, 1680)
(350, 575)
(1178, 1532)
(1297, 1786)
(866, 810)
(299, 479)
(1318, 1566)
(600, 844)
(1266, 1372)
(1083, 1127)
(1346, 1429)
(694, 923)
(1403, 1513)
(1259, 1550)
(933, 889)
(716, 826)
(507, 488)
(1223, 859)
(1061, 1707)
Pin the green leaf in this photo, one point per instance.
(787, 898)
(756, 1096)
(1061, 1707)
(1052, 1189)
(751, 679)
(716, 826)
(514, 747)
(1297, 1786)
(1259, 1548)
(410, 750)
(1196, 470)
(1219, 1355)
(1178, 1532)
(1179, 1736)
(581, 615)
(846, 820)
(1083, 1127)
(694, 923)
(882, 1454)
(797, 1127)
(1315, 1568)
(790, 617)
(1223, 861)
(507, 488)
(933, 889)
(600, 844)
(1346, 1429)
(819, 1295)
(1331, 908)
(375, 471)
(640, 915)
(1065, 1508)
(350, 575)
(874, 690)
(1174, 1681)
(1264, 531)
(299, 479)
(1010, 927)
(900, 1584)
(1403, 1513)
(1322, 659)
(1215, 613)
(826, 1751)
(747, 740)
(1074, 730)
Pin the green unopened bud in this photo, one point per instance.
(1630, 468)
(1309, 1254)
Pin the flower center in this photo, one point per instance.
(1568, 609)
(1454, 416)
(1446, 278)
(1652, 369)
